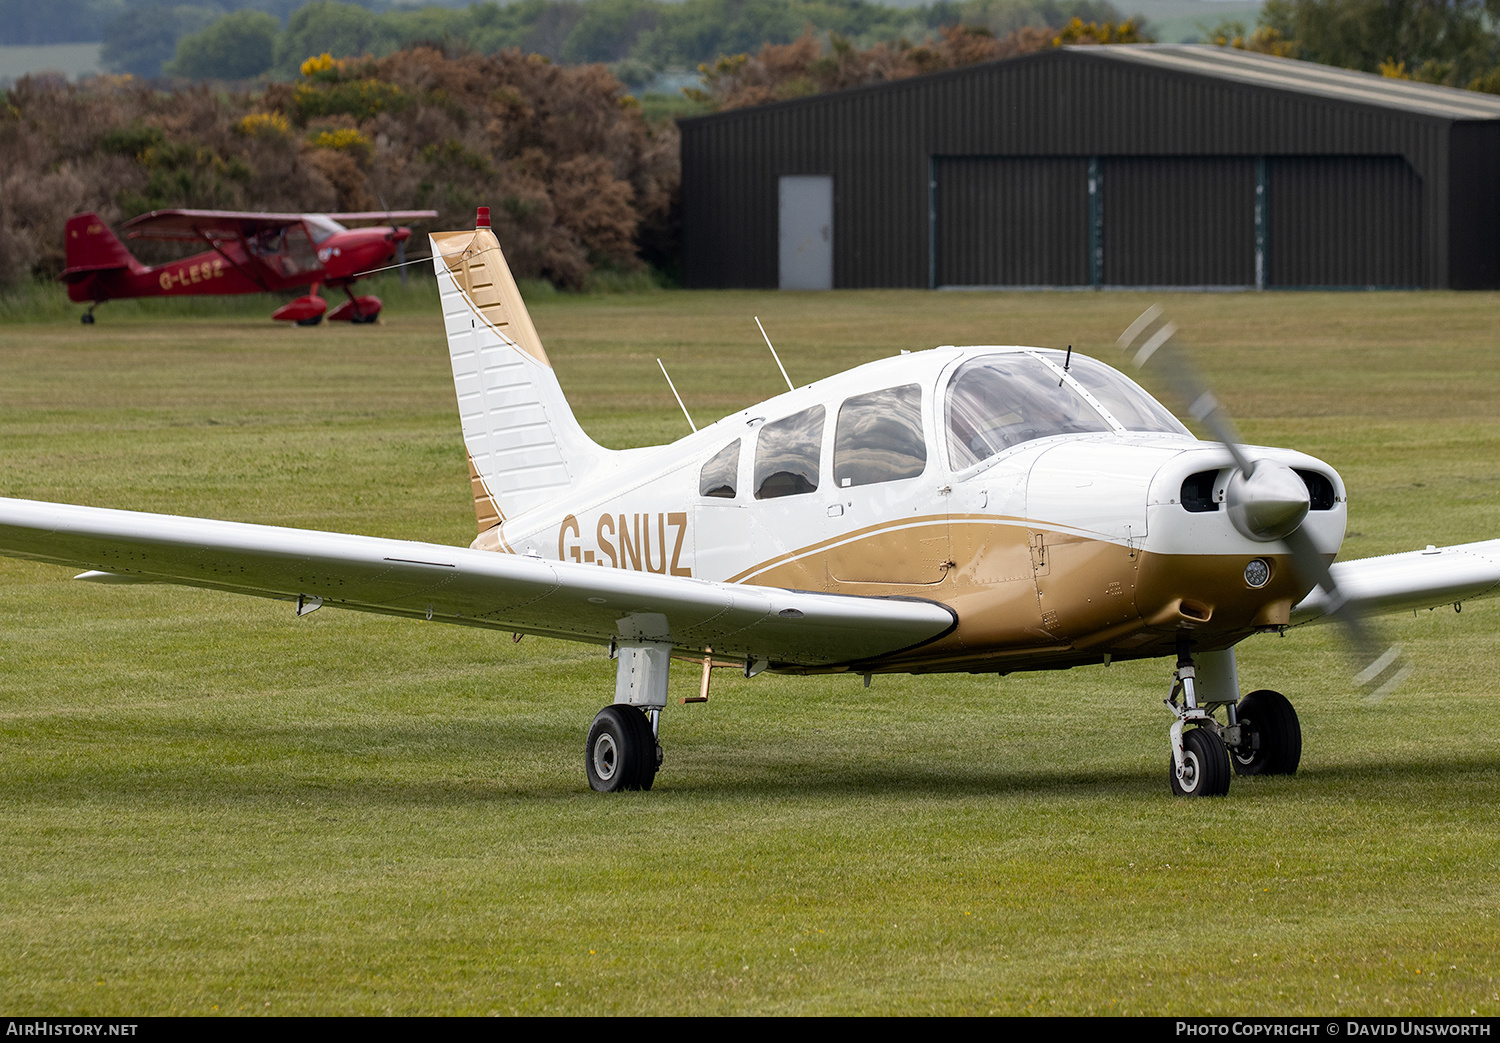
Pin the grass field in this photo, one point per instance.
(208, 806)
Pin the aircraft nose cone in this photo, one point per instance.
(1269, 503)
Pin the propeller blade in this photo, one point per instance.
(1379, 667)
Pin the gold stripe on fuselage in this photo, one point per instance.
(1029, 593)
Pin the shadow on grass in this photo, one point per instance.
(465, 762)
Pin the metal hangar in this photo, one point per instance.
(1141, 165)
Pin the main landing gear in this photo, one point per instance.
(623, 751)
(1260, 736)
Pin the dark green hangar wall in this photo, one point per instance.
(1106, 166)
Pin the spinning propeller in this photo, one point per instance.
(1266, 501)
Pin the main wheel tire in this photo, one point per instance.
(646, 769)
(311, 321)
(1205, 766)
(1271, 735)
(364, 318)
(620, 753)
(87, 318)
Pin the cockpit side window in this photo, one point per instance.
(1126, 402)
(298, 255)
(879, 437)
(720, 475)
(320, 227)
(786, 455)
(997, 401)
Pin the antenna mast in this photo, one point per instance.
(677, 396)
(775, 356)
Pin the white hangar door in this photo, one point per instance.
(806, 228)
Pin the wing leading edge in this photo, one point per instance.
(469, 587)
(1414, 579)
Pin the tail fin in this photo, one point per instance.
(525, 446)
(90, 246)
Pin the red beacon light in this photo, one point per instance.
(482, 219)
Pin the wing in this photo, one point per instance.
(382, 217)
(469, 587)
(1416, 579)
(199, 225)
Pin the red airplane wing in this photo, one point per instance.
(384, 217)
(199, 225)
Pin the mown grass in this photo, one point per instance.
(208, 806)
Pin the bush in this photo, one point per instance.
(576, 177)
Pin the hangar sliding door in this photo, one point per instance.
(1011, 221)
(1178, 220)
(1344, 221)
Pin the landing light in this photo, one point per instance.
(1258, 572)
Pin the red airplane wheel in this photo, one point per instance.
(304, 311)
(357, 309)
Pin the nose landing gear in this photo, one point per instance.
(1261, 735)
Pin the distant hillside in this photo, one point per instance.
(639, 39)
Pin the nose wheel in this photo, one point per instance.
(1205, 765)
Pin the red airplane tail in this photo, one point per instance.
(91, 248)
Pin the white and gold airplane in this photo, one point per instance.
(975, 509)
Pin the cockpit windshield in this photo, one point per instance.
(320, 227)
(1126, 402)
(997, 401)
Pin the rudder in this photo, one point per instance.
(90, 248)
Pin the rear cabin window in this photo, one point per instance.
(786, 455)
(997, 401)
(879, 438)
(721, 474)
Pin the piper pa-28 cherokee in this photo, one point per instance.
(976, 509)
(247, 253)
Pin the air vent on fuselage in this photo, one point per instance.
(1198, 492)
(1319, 490)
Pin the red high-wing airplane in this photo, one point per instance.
(247, 253)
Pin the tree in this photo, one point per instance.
(330, 27)
(1441, 41)
(142, 38)
(236, 47)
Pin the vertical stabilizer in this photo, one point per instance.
(92, 252)
(525, 447)
(89, 246)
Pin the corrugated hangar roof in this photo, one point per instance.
(1266, 70)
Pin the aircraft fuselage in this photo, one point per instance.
(1069, 548)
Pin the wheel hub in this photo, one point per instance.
(1189, 774)
(606, 757)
